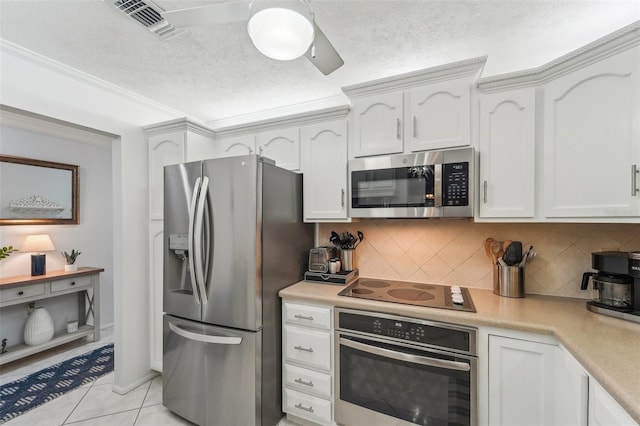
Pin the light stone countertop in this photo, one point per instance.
(606, 347)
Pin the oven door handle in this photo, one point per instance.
(400, 356)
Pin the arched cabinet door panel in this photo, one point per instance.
(378, 125)
(164, 150)
(282, 146)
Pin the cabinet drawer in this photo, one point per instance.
(310, 316)
(70, 283)
(308, 347)
(307, 406)
(17, 293)
(307, 380)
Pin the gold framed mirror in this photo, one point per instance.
(36, 192)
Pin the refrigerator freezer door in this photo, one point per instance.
(234, 272)
(211, 374)
(181, 187)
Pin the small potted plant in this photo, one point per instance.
(6, 251)
(70, 258)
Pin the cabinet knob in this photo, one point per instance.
(73, 283)
(20, 293)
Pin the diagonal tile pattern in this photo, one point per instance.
(451, 251)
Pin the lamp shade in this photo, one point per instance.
(281, 32)
(37, 244)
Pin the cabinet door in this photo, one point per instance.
(507, 154)
(438, 116)
(604, 410)
(521, 382)
(324, 164)
(156, 240)
(377, 125)
(236, 145)
(163, 150)
(572, 392)
(282, 146)
(591, 140)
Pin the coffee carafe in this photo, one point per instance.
(618, 283)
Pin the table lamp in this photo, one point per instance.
(38, 244)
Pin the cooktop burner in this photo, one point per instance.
(430, 295)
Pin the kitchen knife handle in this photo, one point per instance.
(398, 124)
(342, 197)
(484, 192)
(634, 180)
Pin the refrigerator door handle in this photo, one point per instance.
(205, 338)
(198, 236)
(192, 214)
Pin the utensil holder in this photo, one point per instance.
(508, 281)
(348, 258)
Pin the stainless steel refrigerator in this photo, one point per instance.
(234, 237)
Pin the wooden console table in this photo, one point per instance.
(26, 289)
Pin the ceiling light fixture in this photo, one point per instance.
(281, 30)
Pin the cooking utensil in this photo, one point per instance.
(360, 238)
(496, 249)
(513, 253)
(334, 238)
(487, 249)
(525, 257)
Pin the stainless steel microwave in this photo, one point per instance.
(423, 184)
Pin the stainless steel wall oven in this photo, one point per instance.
(393, 370)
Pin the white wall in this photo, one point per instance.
(33, 83)
(94, 235)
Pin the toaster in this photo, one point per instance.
(319, 258)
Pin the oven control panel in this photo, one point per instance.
(404, 329)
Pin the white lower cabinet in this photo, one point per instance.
(604, 410)
(307, 362)
(521, 382)
(538, 382)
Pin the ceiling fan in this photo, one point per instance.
(279, 29)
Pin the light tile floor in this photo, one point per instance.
(94, 404)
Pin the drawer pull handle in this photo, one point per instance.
(301, 348)
(302, 382)
(302, 407)
(20, 293)
(304, 317)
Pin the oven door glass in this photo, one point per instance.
(420, 387)
(397, 187)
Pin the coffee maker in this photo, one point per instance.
(617, 282)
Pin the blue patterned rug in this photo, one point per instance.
(31, 391)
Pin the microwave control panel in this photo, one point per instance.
(455, 184)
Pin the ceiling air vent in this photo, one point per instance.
(147, 14)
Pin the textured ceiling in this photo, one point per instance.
(212, 73)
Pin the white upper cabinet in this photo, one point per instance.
(438, 116)
(324, 164)
(281, 145)
(418, 111)
(507, 154)
(592, 139)
(173, 142)
(233, 146)
(377, 125)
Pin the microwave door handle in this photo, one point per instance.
(400, 356)
(205, 338)
(192, 214)
(437, 184)
(199, 239)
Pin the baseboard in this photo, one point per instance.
(126, 389)
(105, 326)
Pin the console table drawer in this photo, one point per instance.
(70, 283)
(17, 293)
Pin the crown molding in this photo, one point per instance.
(466, 68)
(595, 51)
(32, 122)
(300, 119)
(179, 124)
(9, 48)
(266, 116)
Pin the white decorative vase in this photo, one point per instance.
(70, 268)
(39, 327)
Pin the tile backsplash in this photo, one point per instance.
(451, 251)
